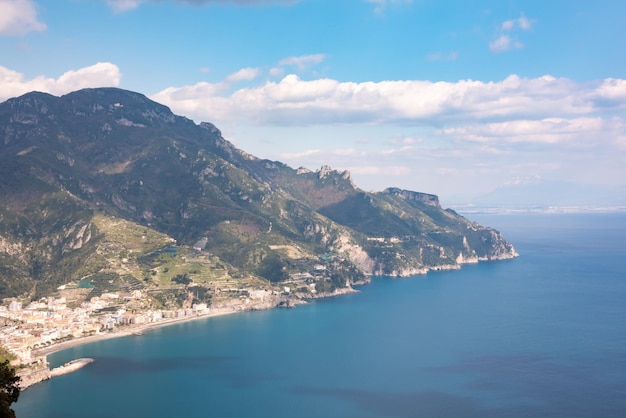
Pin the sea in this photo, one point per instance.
(542, 335)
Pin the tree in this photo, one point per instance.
(273, 268)
(9, 389)
(182, 279)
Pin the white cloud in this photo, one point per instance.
(186, 98)
(481, 128)
(549, 130)
(578, 132)
(380, 170)
(392, 151)
(521, 22)
(243, 74)
(508, 25)
(302, 62)
(102, 74)
(407, 129)
(120, 6)
(612, 90)
(412, 131)
(297, 155)
(504, 43)
(277, 72)
(292, 101)
(525, 23)
(19, 17)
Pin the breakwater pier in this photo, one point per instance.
(70, 367)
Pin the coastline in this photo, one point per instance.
(139, 329)
(128, 330)
(42, 372)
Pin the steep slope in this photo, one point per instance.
(109, 153)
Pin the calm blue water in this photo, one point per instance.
(541, 335)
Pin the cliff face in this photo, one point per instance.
(71, 165)
(32, 375)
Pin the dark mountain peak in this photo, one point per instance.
(28, 108)
(104, 96)
(32, 98)
(111, 95)
(130, 108)
(211, 128)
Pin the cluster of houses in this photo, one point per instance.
(49, 321)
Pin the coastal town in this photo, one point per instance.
(31, 332)
(49, 321)
(73, 315)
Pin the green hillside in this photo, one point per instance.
(99, 184)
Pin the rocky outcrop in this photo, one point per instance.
(34, 374)
(424, 198)
(344, 244)
(500, 248)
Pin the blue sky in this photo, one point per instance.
(456, 98)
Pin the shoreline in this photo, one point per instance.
(137, 330)
(128, 330)
(33, 376)
(46, 373)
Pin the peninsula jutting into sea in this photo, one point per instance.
(118, 214)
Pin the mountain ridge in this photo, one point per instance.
(113, 153)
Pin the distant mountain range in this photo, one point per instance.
(554, 193)
(544, 194)
(104, 181)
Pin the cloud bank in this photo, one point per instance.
(293, 101)
(544, 110)
(420, 132)
(19, 17)
(102, 74)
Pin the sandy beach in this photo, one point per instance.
(128, 330)
(41, 374)
(125, 331)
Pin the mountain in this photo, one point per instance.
(109, 188)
